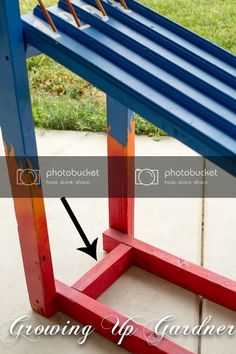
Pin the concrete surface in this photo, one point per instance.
(174, 225)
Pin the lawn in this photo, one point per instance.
(62, 100)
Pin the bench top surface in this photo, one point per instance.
(179, 81)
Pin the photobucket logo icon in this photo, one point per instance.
(27, 177)
(146, 177)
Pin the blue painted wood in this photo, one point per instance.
(15, 108)
(170, 26)
(170, 38)
(154, 76)
(200, 119)
(157, 54)
(120, 121)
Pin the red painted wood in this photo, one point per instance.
(120, 143)
(105, 272)
(89, 311)
(35, 248)
(192, 277)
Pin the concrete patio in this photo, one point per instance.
(201, 231)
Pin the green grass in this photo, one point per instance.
(61, 100)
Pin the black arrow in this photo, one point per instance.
(91, 248)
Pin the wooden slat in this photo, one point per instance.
(192, 277)
(89, 311)
(104, 273)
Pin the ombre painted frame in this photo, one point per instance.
(47, 295)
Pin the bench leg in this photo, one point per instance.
(17, 126)
(121, 136)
